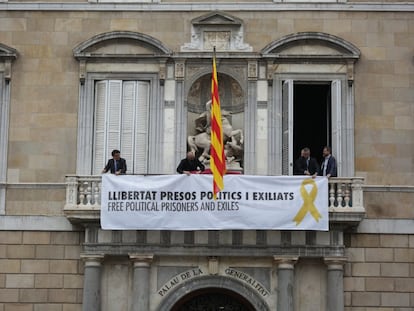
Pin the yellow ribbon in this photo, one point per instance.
(308, 199)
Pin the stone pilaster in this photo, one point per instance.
(92, 282)
(140, 281)
(335, 283)
(285, 281)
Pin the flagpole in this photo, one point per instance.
(217, 159)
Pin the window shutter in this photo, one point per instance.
(99, 138)
(337, 123)
(113, 127)
(141, 129)
(128, 122)
(121, 122)
(287, 127)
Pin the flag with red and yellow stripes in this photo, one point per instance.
(217, 159)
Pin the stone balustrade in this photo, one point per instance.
(83, 197)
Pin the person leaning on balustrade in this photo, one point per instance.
(305, 164)
(190, 165)
(116, 165)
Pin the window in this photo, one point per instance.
(312, 117)
(121, 122)
(7, 56)
(312, 103)
(121, 75)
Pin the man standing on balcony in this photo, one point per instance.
(116, 165)
(190, 165)
(306, 165)
(328, 167)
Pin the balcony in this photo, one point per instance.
(346, 205)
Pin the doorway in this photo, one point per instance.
(213, 299)
(311, 118)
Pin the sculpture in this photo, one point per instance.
(233, 139)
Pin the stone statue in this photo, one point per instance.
(233, 139)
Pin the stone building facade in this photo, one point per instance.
(330, 72)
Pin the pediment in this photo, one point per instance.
(312, 45)
(216, 29)
(217, 18)
(7, 52)
(310, 48)
(121, 44)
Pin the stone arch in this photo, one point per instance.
(217, 282)
(339, 48)
(152, 45)
(196, 97)
(207, 72)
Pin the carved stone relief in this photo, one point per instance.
(219, 30)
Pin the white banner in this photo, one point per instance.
(181, 202)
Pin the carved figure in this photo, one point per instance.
(233, 138)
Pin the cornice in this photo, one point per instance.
(208, 7)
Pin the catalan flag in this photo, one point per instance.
(217, 160)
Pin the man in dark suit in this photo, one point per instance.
(328, 167)
(116, 165)
(190, 165)
(306, 165)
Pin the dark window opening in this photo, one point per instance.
(311, 118)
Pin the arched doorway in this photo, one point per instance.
(213, 299)
(202, 290)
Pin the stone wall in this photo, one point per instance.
(380, 272)
(40, 271)
(45, 80)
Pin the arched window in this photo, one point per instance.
(311, 78)
(121, 75)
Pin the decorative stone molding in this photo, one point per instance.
(335, 263)
(141, 46)
(92, 260)
(87, 48)
(7, 56)
(213, 281)
(179, 70)
(219, 30)
(285, 262)
(213, 265)
(141, 260)
(312, 47)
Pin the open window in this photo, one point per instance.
(310, 119)
(311, 79)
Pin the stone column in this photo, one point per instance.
(285, 282)
(92, 282)
(140, 281)
(335, 283)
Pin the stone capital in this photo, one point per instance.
(92, 259)
(141, 260)
(335, 263)
(285, 262)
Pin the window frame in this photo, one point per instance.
(86, 119)
(342, 116)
